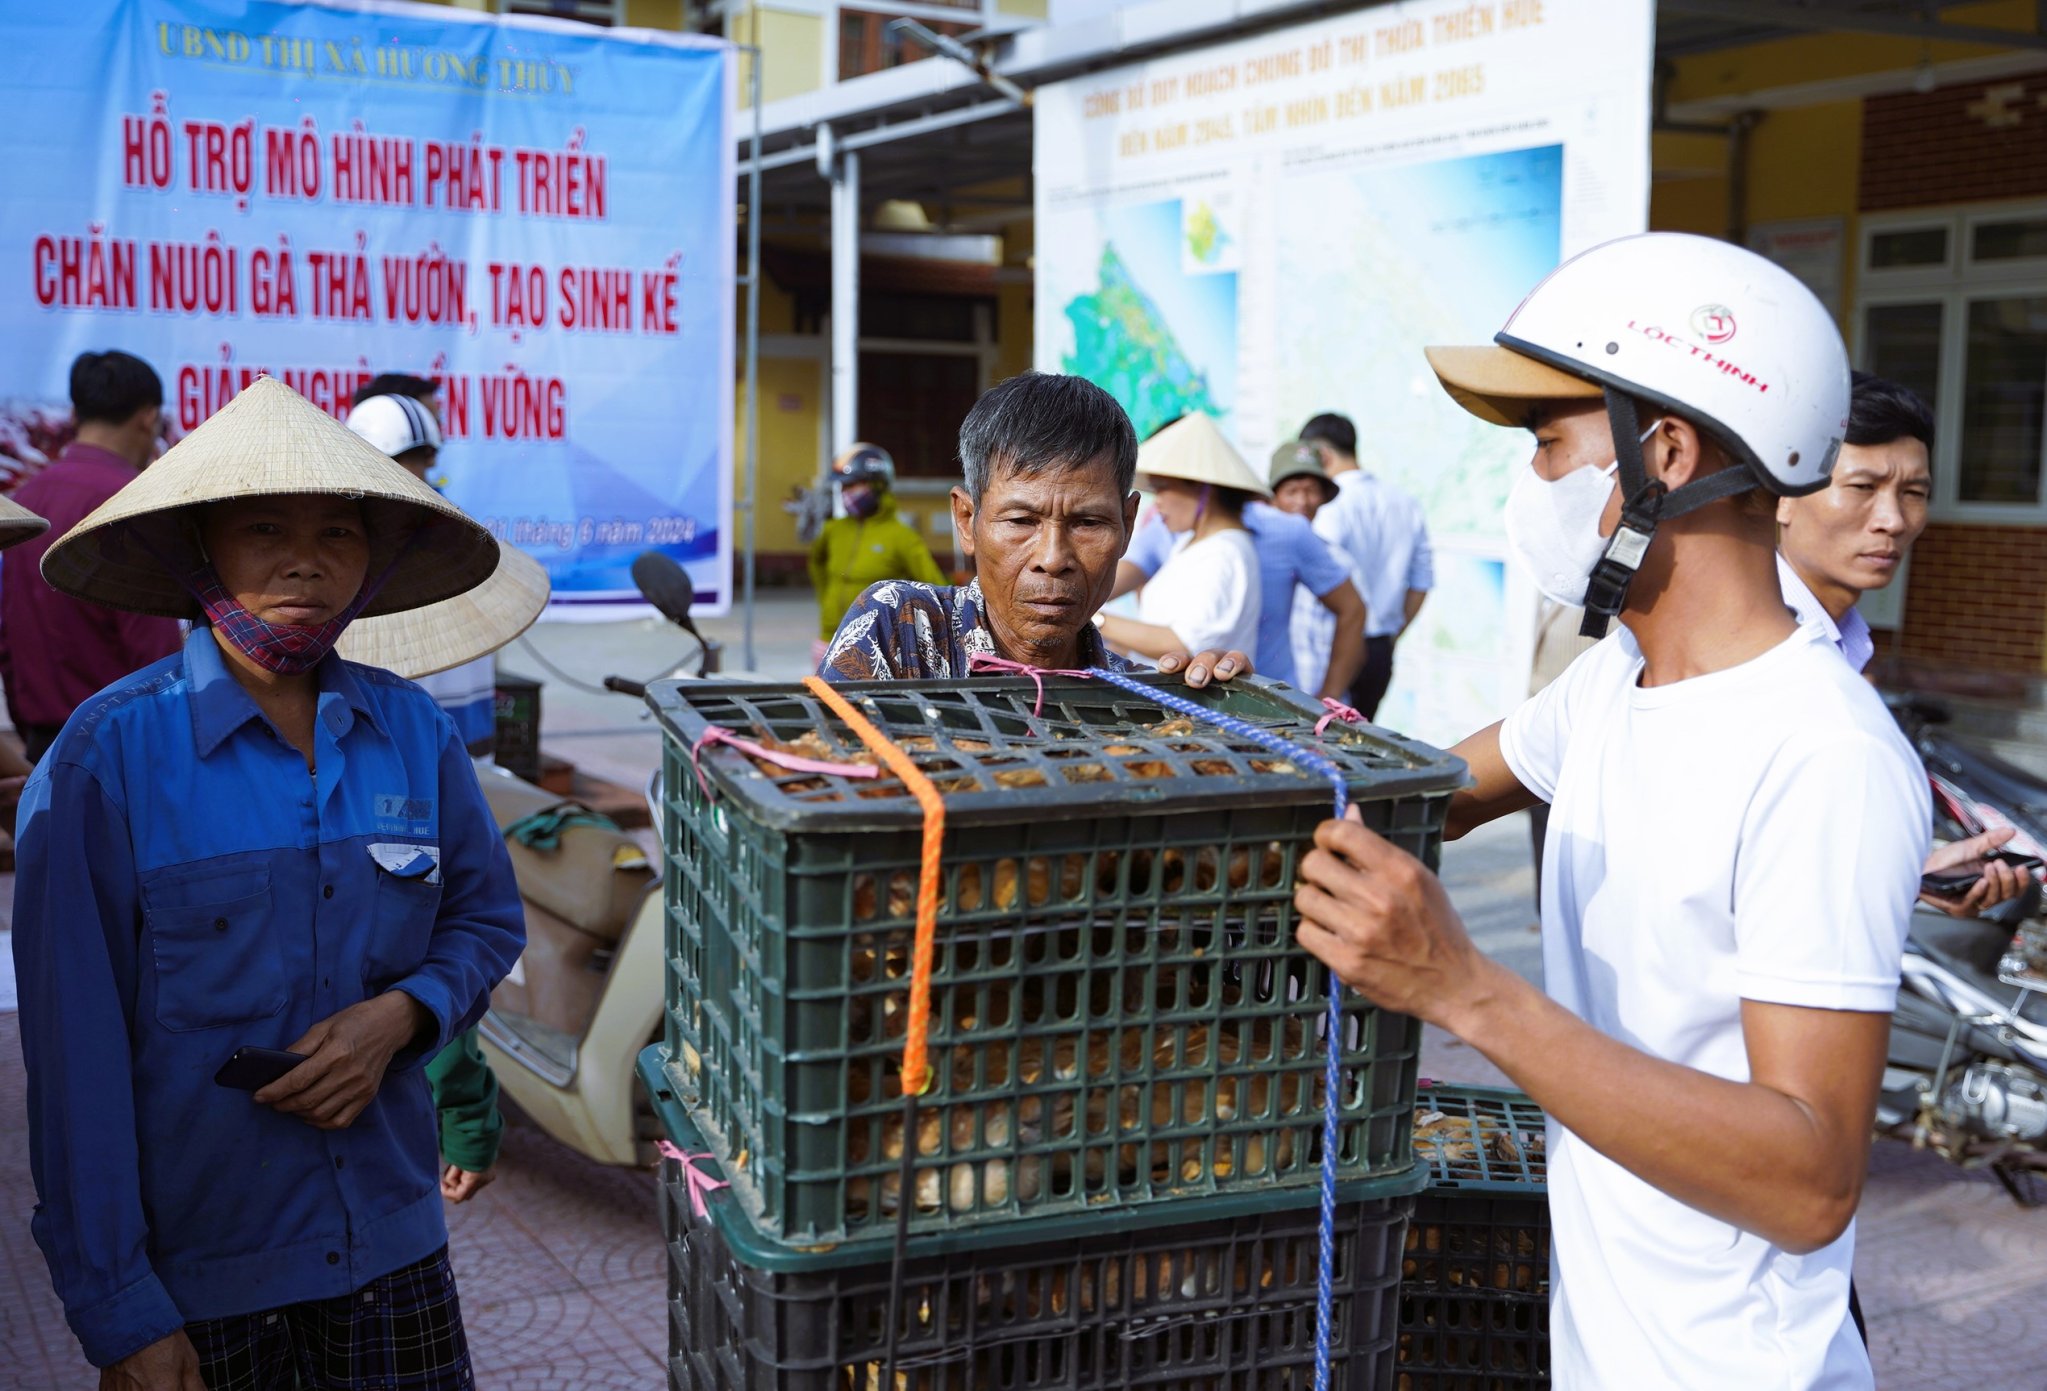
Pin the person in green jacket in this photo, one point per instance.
(466, 1097)
(867, 545)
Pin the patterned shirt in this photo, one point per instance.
(905, 630)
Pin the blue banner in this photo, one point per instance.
(536, 214)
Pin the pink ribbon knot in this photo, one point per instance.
(1337, 711)
(698, 1181)
(795, 763)
(982, 661)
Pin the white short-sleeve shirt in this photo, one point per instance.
(1752, 834)
(1208, 593)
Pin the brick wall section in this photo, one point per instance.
(1976, 597)
(1924, 149)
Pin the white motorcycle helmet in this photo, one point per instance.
(1699, 327)
(396, 424)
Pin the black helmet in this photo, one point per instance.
(864, 463)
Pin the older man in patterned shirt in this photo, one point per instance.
(1045, 513)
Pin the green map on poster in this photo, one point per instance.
(1122, 343)
(1205, 235)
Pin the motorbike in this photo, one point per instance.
(566, 1026)
(1966, 1072)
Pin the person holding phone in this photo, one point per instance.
(257, 888)
(1852, 537)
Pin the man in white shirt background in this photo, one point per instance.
(1381, 531)
(399, 415)
(1851, 537)
(1736, 834)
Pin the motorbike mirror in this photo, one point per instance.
(666, 585)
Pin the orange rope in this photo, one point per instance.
(916, 1072)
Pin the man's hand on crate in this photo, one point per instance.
(1782, 1154)
(1225, 666)
(1376, 916)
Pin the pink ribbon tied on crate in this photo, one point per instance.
(983, 661)
(1337, 710)
(795, 763)
(698, 1182)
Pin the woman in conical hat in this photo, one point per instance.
(254, 847)
(17, 524)
(1207, 594)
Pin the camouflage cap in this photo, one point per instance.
(1298, 459)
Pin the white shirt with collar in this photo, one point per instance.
(1382, 533)
(1851, 634)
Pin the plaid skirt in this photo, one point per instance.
(402, 1332)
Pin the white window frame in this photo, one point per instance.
(1953, 285)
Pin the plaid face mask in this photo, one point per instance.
(289, 649)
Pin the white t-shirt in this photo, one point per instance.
(1755, 833)
(469, 694)
(1208, 593)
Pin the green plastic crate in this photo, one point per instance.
(1119, 1013)
(1474, 1289)
(1208, 1294)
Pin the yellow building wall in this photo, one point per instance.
(1014, 338)
(1823, 56)
(792, 51)
(654, 14)
(1801, 163)
(792, 404)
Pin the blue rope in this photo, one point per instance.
(1317, 762)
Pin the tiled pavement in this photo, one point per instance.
(559, 1262)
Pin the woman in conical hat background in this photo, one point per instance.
(256, 845)
(1207, 596)
(17, 524)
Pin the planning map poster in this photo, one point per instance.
(1276, 227)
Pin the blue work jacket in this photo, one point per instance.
(186, 888)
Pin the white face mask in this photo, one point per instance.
(1554, 526)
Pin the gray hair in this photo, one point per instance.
(1041, 420)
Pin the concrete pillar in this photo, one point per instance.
(845, 177)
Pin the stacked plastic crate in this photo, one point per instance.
(1474, 1288)
(1110, 1179)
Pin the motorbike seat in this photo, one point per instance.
(1986, 775)
(1970, 947)
(594, 876)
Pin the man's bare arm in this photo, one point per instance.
(1410, 606)
(1781, 1155)
(1494, 792)
(1128, 577)
(1347, 648)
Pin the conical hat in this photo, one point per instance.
(420, 642)
(18, 524)
(1192, 448)
(267, 442)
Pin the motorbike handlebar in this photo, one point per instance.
(626, 687)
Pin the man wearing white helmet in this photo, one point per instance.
(1735, 838)
(407, 429)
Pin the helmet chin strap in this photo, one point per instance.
(1645, 502)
